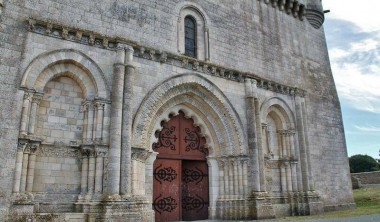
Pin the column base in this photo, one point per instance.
(118, 209)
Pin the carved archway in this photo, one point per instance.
(209, 107)
(48, 64)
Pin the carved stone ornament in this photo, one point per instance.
(58, 150)
(140, 155)
(272, 164)
(23, 198)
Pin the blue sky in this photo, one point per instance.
(353, 36)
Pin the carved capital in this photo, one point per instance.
(140, 154)
(99, 104)
(22, 143)
(37, 97)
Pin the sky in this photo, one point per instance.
(352, 31)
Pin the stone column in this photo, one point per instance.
(90, 121)
(34, 112)
(245, 175)
(91, 172)
(289, 177)
(126, 181)
(260, 143)
(112, 184)
(31, 166)
(230, 178)
(99, 121)
(226, 184)
(241, 172)
(235, 164)
(221, 178)
(25, 113)
(251, 134)
(84, 176)
(207, 47)
(99, 171)
(293, 162)
(302, 143)
(283, 178)
(24, 171)
(18, 167)
(84, 110)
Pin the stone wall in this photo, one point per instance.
(366, 179)
(271, 44)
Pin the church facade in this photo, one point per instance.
(167, 111)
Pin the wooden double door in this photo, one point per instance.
(181, 183)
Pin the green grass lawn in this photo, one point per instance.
(367, 202)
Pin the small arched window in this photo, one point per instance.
(190, 37)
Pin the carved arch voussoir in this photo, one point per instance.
(52, 62)
(189, 90)
(281, 109)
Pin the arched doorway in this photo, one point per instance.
(181, 183)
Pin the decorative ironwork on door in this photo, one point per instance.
(180, 185)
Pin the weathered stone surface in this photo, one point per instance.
(260, 89)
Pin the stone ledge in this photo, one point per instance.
(86, 37)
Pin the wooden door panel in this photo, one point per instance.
(168, 138)
(180, 187)
(166, 190)
(191, 141)
(195, 196)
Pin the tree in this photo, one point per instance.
(363, 163)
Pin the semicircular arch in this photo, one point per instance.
(280, 109)
(52, 62)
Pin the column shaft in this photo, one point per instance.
(25, 113)
(221, 179)
(235, 176)
(126, 152)
(91, 174)
(283, 179)
(260, 149)
(231, 177)
(289, 178)
(90, 121)
(84, 174)
(226, 173)
(18, 170)
(302, 144)
(99, 174)
(99, 121)
(113, 169)
(30, 174)
(24, 172)
(33, 116)
(245, 177)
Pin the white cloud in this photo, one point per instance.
(361, 90)
(368, 128)
(363, 13)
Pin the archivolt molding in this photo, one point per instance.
(70, 70)
(192, 6)
(190, 90)
(57, 61)
(281, 108)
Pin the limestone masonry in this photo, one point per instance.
(125, 110)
